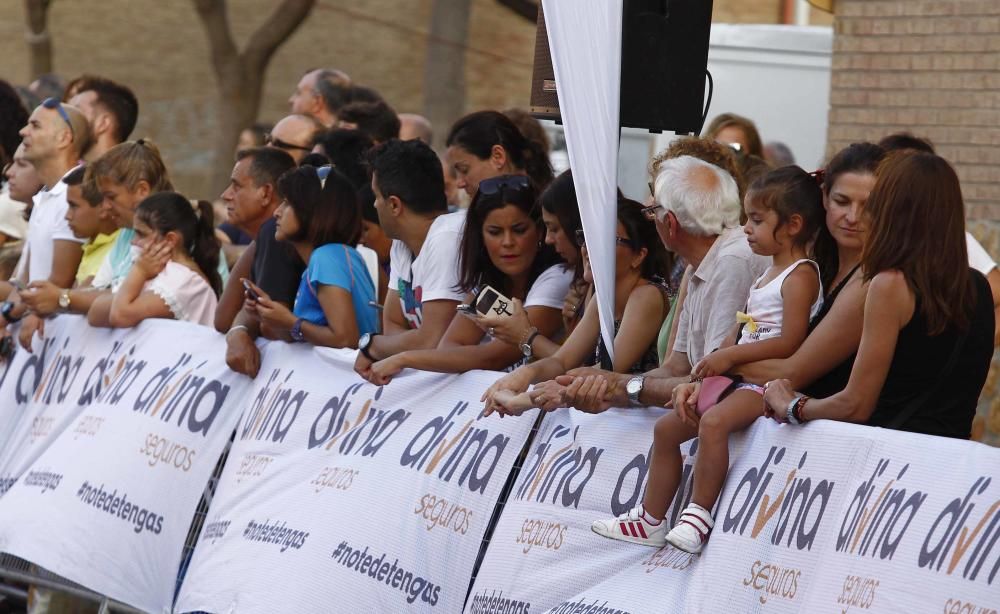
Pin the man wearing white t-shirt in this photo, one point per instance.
(423, 272)
(52, 142)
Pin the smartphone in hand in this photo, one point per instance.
(490, 302)
(250, 292)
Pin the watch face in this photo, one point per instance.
(364, 341)
(526, 350)
(633, 386)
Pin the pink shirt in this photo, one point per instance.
(188, 296)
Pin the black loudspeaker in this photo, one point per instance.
(664, 57)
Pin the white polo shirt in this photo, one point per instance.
(46, 225)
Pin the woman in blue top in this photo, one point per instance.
(321, 218)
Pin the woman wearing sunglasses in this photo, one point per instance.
(640, 306)
(502, 247)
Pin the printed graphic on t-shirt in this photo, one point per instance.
(411, 300)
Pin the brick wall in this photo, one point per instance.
(931, 67)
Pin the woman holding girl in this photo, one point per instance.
(487, 144)
(174, 276)
(502, 247)
(320, 216)
(784, 212)
(926, 344)
(640, 302)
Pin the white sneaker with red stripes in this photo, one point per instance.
(633, 526)
(692, 529)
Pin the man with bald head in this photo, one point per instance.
(320, 94)
(296, 134)
(56, 136)
(413, 126)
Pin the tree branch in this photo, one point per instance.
(215, 20)
(525, 8)
(285, 19)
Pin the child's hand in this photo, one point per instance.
(153, 259)
(685, 402)
(716, 363)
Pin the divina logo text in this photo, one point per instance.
(795, 512)
(471, 454)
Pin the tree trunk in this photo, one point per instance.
(240, 76)
(37, 36)
(444, 71)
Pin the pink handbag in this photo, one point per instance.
(713, 390)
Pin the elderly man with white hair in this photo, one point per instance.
(697, 210)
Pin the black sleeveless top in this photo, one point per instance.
(836, 380)
(916, 368)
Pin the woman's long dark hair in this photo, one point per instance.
(917, 226)
(642, 234)
(169, 211)
(328, 211)
(862, 158)
(559, 199)
(478, 132)
(475, 266)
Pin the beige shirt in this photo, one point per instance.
(718, 288)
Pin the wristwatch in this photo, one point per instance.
(364, 342)
(793, 411)
(64, 299)
(296, 332)
(634, 388)
(526, 346)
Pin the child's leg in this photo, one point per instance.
(665, 463)
(644, 524)
(734, 413)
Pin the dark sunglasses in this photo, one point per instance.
(276, 142)
(489, 187)
(56, 104)
(581, 240)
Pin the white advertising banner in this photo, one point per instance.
(43, 391)
(827, 517)
(342, 496)
(108, 501)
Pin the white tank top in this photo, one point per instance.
(765, 306)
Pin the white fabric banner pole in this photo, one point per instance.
(585, 42)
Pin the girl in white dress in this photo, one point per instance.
(174, 274)
(785, 211)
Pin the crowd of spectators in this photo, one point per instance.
(343, 228)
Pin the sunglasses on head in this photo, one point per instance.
(489, 187)
(274, 141)
(581, 240)
(56, 105)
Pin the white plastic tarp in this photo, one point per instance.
(585, 41)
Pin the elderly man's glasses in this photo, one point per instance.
(56, 105)
(274, 141)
